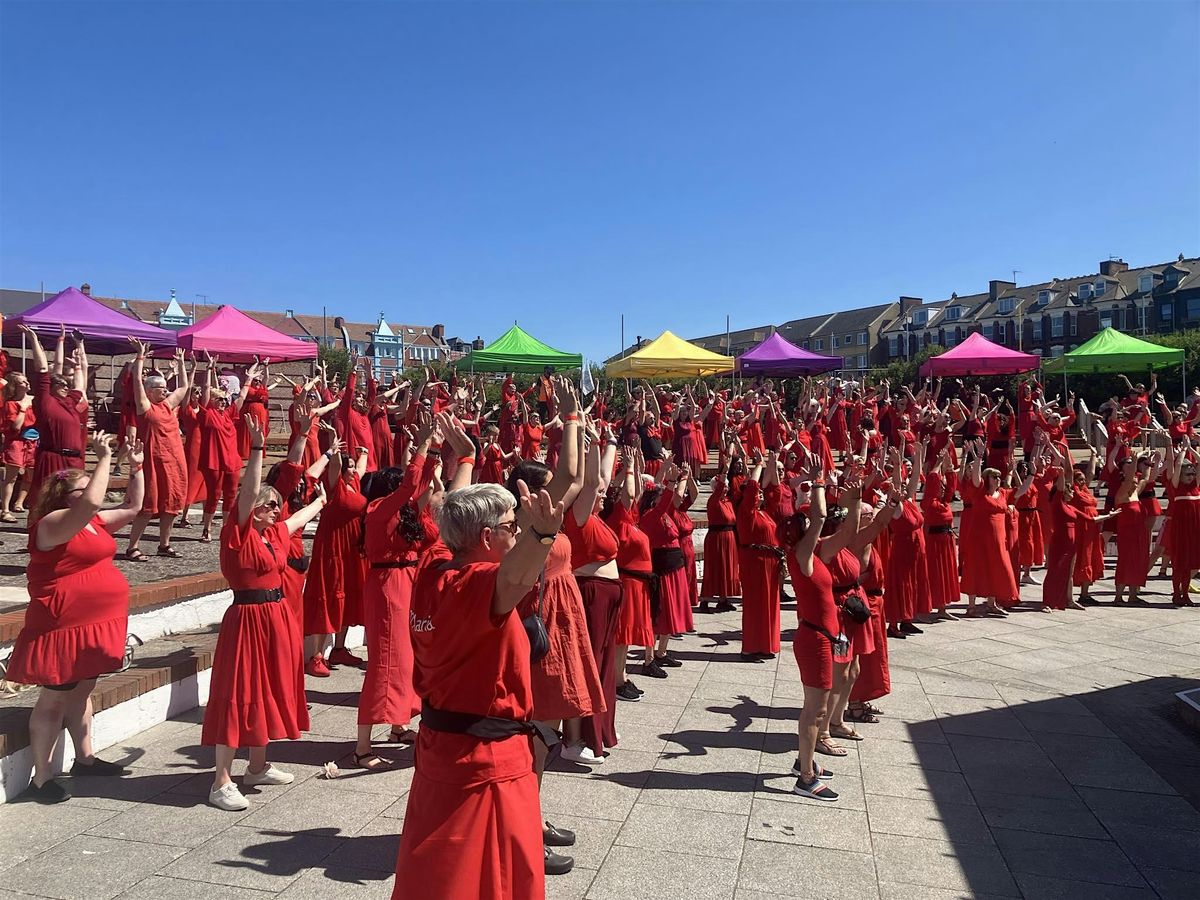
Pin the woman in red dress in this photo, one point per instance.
(19, 424)
(990, 574)
(333, 588)
(760, 563)
(671, 610)
(353, 425)
(56, 402)
(257, 403)
(1031, 543)
(257, 689)
(471, 826)
(1133, 541)
(189, 423)
(378, 414)
(166, 463)
(941, 550)
(1185, 526)
(78, 613)
(721, 579)
(221, 463)
(638, 581)
(907, 578)
(1089, 542)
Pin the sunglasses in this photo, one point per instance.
(270, 504)
(511, 527)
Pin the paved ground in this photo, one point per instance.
(1034, 756)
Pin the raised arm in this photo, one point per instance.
(183, 383)
(116, 519)
(35, 348)
(568, 477)
(57, 527)
(141, 403)
(301, 517)
(252, 474)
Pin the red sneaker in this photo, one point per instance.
(340, 656)
(316, 667)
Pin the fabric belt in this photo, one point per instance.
(722, 528)
(1027, 510)
(70, 454)
(651, 581)
(398, 564)
(488, 728)
(258, 595)
(940, 529)
(1000, 445)
(667, 560)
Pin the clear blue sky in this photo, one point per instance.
(560, 164)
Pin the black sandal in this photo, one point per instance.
(168, 551)
(369, 755)
(135, 555)
(404, 736)
(861, 715)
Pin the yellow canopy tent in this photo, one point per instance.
(672, 357)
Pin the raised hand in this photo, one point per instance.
(137, 453)
(456, 435)
(256, 435)
(101, 444)
(543, 514)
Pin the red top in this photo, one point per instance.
(935, 502)
(353, 426)
(754, 525)
(658, 524)
(633, 548)
(384, 539)
(531, 440)
(720, 508)
(814, 595)
(219, 452)
(12, 414)
(250, 560)
(58, 417)
(592, 542)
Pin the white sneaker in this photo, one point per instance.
(269, 775)
(579, 753)
(229, 798)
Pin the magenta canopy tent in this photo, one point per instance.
(979, 356)
(779, 356)
(235, 337)
(105, 330)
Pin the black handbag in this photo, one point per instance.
(535, 628)
(857, 609)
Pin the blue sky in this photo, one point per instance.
(560, 164)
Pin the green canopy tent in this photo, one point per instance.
(1112, 351)
(518, 351)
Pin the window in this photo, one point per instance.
(1116, 318)
(1085, 292)
(1043, 298)
(1056, 352)
(1101, 287)
(863, 338)
(1145, 283)
(1037, 329)
(1006, 305)
(988, 330)
(819, 344)
(1193, 308)
(834, 342)
(1074, 320)
(920, 317)
(1056, 326)
(862, 360)
(1166, 313)
(893, 345)
(951, 337)
(953, 313)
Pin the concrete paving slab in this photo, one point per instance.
(89, 868)
(663, 875)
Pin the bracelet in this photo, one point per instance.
(329, 454)
(433, 452)
(571, 418)
(253, 448)
(466, 460)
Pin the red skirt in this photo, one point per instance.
(19, 454)
(633, 619)
(1089, 553)
(721, 577)
(941, 563)
(333, 589)
(814, 658)
(874, 676)
(1185, 534)
(387, 690)
(257, 689)
(674, 603)
(760, 602)
(1031, 544)
(1133, 546)
(566, 682)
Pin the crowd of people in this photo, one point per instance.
(515, 564)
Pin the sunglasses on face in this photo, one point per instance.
(511, 527)
(270, 504)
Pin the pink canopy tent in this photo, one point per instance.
(237, 338)
(979, 356)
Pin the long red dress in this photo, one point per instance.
(566, 682)
(907, 577)
(1060, 564)
(685, 526)
(354, 428)
(166, 464)
(62, 440)
(333, 590)
(257, 689)
(381, 429)
(78, 612)
(256, 406)
(674, 613)
(1133, 545)
(1030, 540)
(875, 674)
(634, 624)
(391, 523)
(492, 469)
(472, 827)
(990, 572)
(189, 421)
(721, 577)
(1089, 543)
(759, 565)
(846, 571)
(941, 552)
(1185, 528)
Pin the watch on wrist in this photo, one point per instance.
(544, 539)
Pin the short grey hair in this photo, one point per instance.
(467, 511)
(154, 381)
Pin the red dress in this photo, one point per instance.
(1060, 565)
(814, 605)
(566, 682)
(166, 464)
(907, 577)
(1133, 545)
(684, 445)
(759, 565)
(18, 452)
(492, 470)
(311, 447)
(1185, 528)
(1089, 543)
(674, 612)
(941, 552)
(874, 676)
(257, 689)
(220, 462)
(333, 589)
(846, 572)
(354, 428)
(1030, 540)
(189, 421)
(60, 430)
(990, 572)
(391, 523)
(78, 613)
(721, 549)
(472, 827)
(254, 406)
(685, 526)
(634, 626)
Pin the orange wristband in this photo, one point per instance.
(466, 460)
(571, 418)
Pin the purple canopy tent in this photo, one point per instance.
(779, 356)
(979, 356)
(237, 338)
(105, 330)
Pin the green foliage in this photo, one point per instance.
(336, 361)
(907, 371)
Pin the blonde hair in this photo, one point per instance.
(991, 473)
(265, 495)
(53, 493)
(10, 386)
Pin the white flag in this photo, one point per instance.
(586, 384)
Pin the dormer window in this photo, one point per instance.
(1101, 287)
(1006, 305)
(1085, 292)
(1172, 277)
(1145, 284)
(1043, 298)
(953, 313)
(920, 317)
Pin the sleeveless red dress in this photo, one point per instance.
(1185, 528)
(941, 552)
(333, 588)
(1133, 545)
(907, 576)
(1089, 543)
(721, 577)
(846, 572)
(78, 613)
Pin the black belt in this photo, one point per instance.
(667, 560)
(940, 529)
(722, 528)
(874, 592)
(1027, 510)
(488, 728)
(844, 588)
(398, 564)
(777, 552)
(1001, 445)
(70, 454)
(257, 595)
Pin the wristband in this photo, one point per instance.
(571, 418)
(466, 460)
(253, 448)
(328, 454)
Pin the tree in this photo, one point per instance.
(336, 361)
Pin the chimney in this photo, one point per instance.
(85, 288)
(1113, 267)
(996, 287)
(477, 344)
(439, 333)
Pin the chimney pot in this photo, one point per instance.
(85, 288)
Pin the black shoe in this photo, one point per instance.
(765, 655)
(749, 657)
(635, 687)
(668, 662)
(628, 692)
(653, 670)
(50, 792)
(557, 837)
(703, 607)
(557, 864)
(897, 635)
(1089, 601)
(97, 767)
(725, 606)
(910, 628)
(817, 789)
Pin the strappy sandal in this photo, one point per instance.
(8, 518)
(868, 706)
(135, 555)
(845, 733)
(405, 736)
(826, 747)
(183, 523)
(862, 715)
(363, 760)
(169, 552)
(205, 538)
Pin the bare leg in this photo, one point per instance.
(258, 759)
(339, 639)
(622, 653)
(11, 473)
(78, 718)
(840, 696)
(165, 524)
(540, 753)
(225, 756)
(140, 521)
(572, 731)
(45, 725)
(816, 703)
